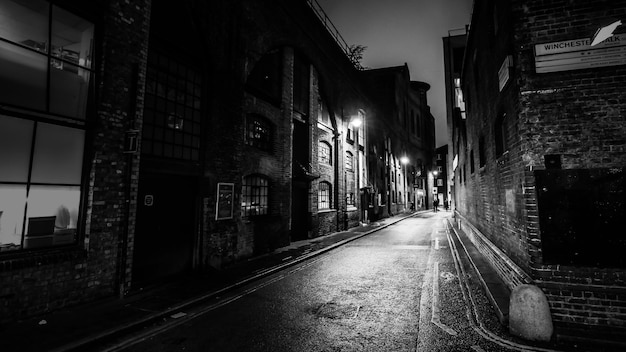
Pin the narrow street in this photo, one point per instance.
(374, 294)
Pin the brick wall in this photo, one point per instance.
(577, 114)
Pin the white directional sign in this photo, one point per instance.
(579, 54)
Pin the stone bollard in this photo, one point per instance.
(529, 314)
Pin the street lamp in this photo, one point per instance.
(404, 160)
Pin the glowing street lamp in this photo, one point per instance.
(356, 121)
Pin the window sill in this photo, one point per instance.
(13, 260)
(322, 211)
(351, 208)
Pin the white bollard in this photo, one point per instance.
(529, 314)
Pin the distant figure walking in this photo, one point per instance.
(435, 205)
(446, 204)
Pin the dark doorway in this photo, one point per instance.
(165, 227)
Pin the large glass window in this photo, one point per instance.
(172, 109)
(324, 195)
(45, 58)
(325, 154)
(46, 65)
(40, 183)
(259, 132)
(254, 195)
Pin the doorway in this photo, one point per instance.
(165, 227)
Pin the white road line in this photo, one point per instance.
(437, 243)
(435, 309)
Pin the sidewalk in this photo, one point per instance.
(78, 327)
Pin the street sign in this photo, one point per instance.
(579, 54)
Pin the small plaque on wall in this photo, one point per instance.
(225, 201)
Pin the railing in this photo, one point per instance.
(334, 32)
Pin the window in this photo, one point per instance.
(481, 151)
(45, 65)
(350, 199)
(472, 161)
(438, 156)
(259, 132)
(440, 169)
(501, 135)
(45, 58)
(323, 195)
(323, 115)
(172, 116)
(301, 89)
(265, 80)
(254, 195)
(439, 182)
(324, 153)
(349, 161)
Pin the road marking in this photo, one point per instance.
(437, 243)
(477, 348)
(435, 309)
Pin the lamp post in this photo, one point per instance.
(404, 160)
(355, 122)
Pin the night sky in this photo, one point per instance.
(399, 31)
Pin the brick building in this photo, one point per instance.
(540, 185)
(453, 52)
(441, 177)
(151, 140)
(401, 141)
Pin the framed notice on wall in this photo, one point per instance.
(225, 199)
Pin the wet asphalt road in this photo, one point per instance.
(376, 293)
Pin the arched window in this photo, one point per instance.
(324, 199)
(254, 195)
(501, 135)
(325, 153)
(349, 161)
(259, 132)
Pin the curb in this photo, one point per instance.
(472, 311)
(264, 273)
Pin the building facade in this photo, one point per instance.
(401, 141)
(539, 162)
(151, 141)
(441, 175)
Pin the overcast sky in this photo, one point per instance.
(399, 31)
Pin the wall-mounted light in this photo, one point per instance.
(404, 160)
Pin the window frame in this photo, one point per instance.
(257, 122)
(329, 159)
(72, 130)
(260, 190)
(349, 164)
(324, 195)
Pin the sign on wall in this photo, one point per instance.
(578, 54)
(225, 201)
(503, 72)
